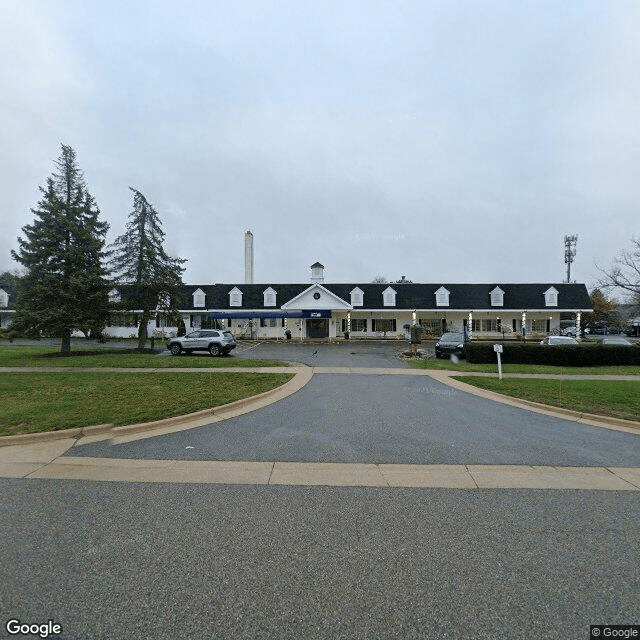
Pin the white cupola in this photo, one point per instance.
(317, 273)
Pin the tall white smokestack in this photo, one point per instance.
(248, 257)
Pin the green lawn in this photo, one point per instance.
(50, 357)
(616, 398)
(463, 366)
(34, 402)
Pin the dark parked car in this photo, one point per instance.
(216, 342)
(450, 343)
(603, 330)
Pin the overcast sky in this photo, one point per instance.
(447, 141)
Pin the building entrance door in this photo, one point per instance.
(317, 328)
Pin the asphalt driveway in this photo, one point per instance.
(387, 419)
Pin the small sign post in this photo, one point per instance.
(498, 349)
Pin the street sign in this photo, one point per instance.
(498, 349)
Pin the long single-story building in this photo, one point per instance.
(322, 310)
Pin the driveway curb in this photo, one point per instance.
(302, 375)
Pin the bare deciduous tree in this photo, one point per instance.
(625, 271)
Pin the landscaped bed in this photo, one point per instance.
(50, 357)
(615, 398)
(35, 402)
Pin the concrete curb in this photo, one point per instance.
(302, 375)
(594, 420)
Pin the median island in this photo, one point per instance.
(34, 402)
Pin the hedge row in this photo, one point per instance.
(566, 355)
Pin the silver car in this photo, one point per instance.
(216, 341)
(621, 342)
(554, 340)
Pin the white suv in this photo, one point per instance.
(216, 342)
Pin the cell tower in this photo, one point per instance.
(570, 243)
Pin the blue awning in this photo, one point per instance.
(241, 315)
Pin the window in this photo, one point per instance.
(389, 297)
(211, 323)
(269, 297)
(540, 326)
(442, 297)
(357, 297)
(270, 322)
(432, 327)
(486, 324)
(163, 321)
(497, 297)
(123, 320)
(357, 324)
(198, 298)
(551, 297)
(382, 324)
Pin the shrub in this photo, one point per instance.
(569, 355)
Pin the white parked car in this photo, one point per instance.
(555, 340)
(621, 342)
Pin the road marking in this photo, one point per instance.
(468, 477)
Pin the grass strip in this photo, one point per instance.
(35, 402)
(50, 357)
(615, 398)
(463, 366)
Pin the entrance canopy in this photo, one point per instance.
(307, 313)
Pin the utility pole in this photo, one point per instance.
(570, 243)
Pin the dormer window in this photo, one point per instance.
(551, 297)
(198, 298)
(114, 296)
(235, 297)
(497, 297)
(389, 297)
(442, 297)
(4, 298)
(357, 297)
(269, 297)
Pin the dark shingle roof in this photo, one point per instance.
(408, 295)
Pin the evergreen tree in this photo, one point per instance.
(64, 287)
(139, 260)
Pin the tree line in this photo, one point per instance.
(69, 272)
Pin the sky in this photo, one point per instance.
(443, 140)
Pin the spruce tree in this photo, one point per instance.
(139, 260)
(64, 287)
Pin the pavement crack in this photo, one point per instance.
(273, 466)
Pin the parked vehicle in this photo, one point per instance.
(570, 331)
(450, 343)
(602, 330)
(556, 340)
(621, 342)
(216, 342)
